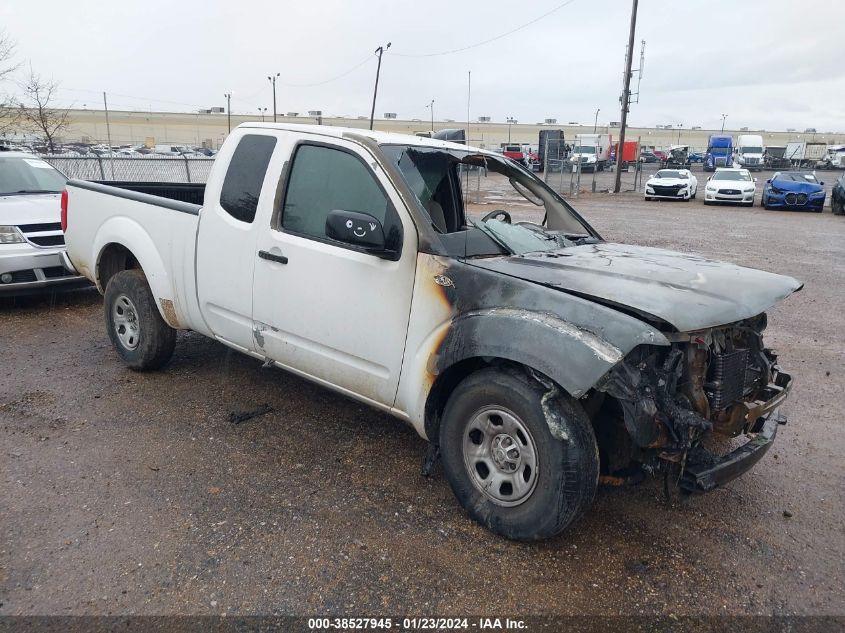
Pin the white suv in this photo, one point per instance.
(731, 185)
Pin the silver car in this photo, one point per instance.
(31, 238)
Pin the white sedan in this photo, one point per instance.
(672, 184)
(731, 185)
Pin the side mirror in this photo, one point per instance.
(769, 181)
(755, 180)
(822, 182)
(357, 229)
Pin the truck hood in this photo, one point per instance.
(687, 291)
(31, 208)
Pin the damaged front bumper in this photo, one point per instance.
(703, 475)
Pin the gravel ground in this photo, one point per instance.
(126, 493)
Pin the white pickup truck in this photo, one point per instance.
(532, 356)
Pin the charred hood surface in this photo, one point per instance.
(687, 291)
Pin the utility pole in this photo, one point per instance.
(431, 107)
(272, 79)
(724, 116)
(596, 122)
(510, 121)
(108, 134)
(379, 51)
(626, 93)
(228, 96)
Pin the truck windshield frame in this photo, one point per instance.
(416, 162)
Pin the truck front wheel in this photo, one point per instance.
(507, 469)
(138, 333)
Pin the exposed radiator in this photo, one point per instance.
(726, 379)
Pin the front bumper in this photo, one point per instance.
(32, 268)
(779, 201)
(763, 418)
(738, 198)
(681, 195)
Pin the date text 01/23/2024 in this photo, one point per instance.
(415, 624)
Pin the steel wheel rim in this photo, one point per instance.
(125, 322)
(500, 456)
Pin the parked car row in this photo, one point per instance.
(793, 190)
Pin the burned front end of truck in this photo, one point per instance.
(675, 402)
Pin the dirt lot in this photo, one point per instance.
(132, 493)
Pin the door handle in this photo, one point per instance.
(272, 257)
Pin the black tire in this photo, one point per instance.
(153, 342)
(566, 472)
(837, 207)
(647, 199)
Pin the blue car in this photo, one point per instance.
(794, 190)
(695, 157)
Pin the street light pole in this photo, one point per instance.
(510, 121)
(272, 79)
(379, 51)
(431, 107)
(228, 96)
(263, 111)
(680, 125)
(596, 122)
(724, 116)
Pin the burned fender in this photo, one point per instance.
(568, 353)
(464, 312)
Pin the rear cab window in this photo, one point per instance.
(245, 175)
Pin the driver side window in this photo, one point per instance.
(323, 179)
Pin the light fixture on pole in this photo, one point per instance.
(724, 116)
(510, 121)
(272, 80)
(596, 122)
(228, 96)
(431, 107)
(680, 125)
(379, 51)
(262, 111)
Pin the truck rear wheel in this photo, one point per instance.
(138, 333)
(504, 465)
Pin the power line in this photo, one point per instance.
(335, 78)
(487, 41)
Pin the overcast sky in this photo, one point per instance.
(771, 64)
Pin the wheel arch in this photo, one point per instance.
(123, 244)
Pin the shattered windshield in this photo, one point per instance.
(461, 191)
(521, 240)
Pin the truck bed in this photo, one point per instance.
(192, 193)
(155, 222)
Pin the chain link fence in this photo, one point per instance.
(137, 169)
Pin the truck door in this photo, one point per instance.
(322, 308)
(227, 235)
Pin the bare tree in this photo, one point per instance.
(38, 109)
(8, 112)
